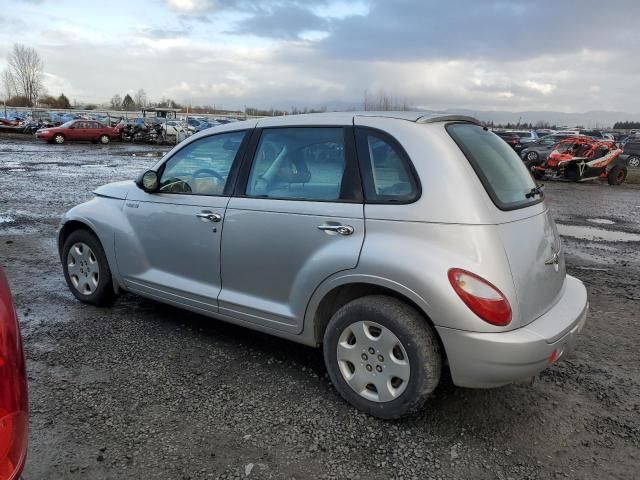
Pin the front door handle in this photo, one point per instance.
(209, 216)
(339, 229)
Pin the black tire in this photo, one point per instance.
(416, 336)
(633, 161)
(58, 138)
(532, 157)
(103, 295)
(572, 172)
(617, 175)
(104, 139)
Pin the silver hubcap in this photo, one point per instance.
(83, 268)
(373, 361)
(532, 156)
(59, 139)
(634, 162)
(104, 139)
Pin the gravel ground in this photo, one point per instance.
(143, 390)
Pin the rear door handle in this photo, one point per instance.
(209, 216)
(339, 229)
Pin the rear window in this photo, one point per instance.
(498, 166)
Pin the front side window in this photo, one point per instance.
(202, 167)
(298, 163)
(388, 176)
(500, 169)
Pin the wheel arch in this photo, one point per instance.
(328, 300)
(71, 226)
(75, 224)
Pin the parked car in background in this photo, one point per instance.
(510, 138)
(597, 134)
(631, 152)
(79, 130)
(537, 152)
(541, 132)
(526, 136)
(262, 223)
(14, 417)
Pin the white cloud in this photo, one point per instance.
(544, 88)
(190, 6)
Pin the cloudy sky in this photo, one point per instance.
(557, 55)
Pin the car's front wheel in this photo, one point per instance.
(633, 161)
(104, 139)
(58, 138)
(382, 356)
(86, 269)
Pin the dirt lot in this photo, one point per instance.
(142, 390)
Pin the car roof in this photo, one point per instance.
(347, 117)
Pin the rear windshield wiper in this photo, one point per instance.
(537, 190)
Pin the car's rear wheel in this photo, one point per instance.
(58, 138)
(382, 356)
(86, 269)
(633, 161)
(617, 175)
(104, 139)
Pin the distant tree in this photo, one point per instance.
(26, 68)
(47, 101)
(63, 101)
(168, 103)
(626, 125)
(383, 101)
(116, 102)
(18, 101)
(8, 84)
(141, 98)
(128, 103)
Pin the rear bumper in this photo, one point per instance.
(484, 360)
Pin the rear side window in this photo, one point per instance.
(499, 168)
(299, 163)
(387, 173)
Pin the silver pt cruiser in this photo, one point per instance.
(403, 243)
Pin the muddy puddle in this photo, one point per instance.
(596, 234)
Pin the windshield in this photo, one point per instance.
(503, 174)
(67, 124)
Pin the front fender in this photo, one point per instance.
(100, 215)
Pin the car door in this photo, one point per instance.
(75, 131)
(171, 248)
(94, 131)
(295, 219)
(546, 145)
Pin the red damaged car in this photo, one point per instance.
(583, 158)
(79, 130)
(14, 418)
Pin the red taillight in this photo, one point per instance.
(13, 390)
(484, 299)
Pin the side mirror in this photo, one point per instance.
(148, 181)
(71, 127)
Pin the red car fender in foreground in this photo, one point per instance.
(14, 415)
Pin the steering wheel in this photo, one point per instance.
(175, 185)
(208, 172)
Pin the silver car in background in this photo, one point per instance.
(402, 243)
